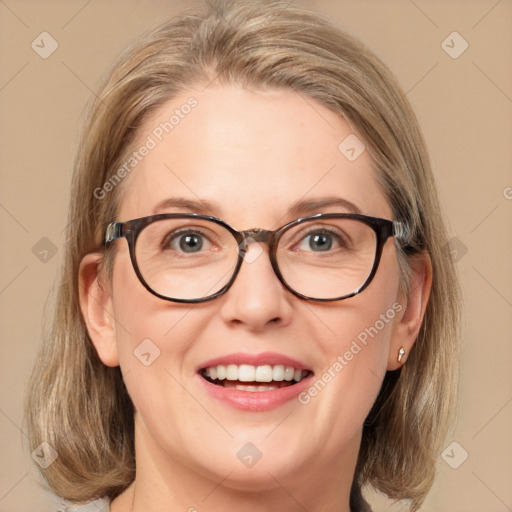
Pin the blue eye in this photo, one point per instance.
(321, 240)
(188, 242)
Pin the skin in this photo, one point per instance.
(253, 153)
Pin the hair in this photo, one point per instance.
(80, 406)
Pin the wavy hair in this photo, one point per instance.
(80, 406)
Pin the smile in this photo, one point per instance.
(246, 377)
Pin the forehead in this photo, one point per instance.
(251, 152)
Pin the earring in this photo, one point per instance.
(401, 354)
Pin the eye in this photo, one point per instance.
(188, 242)
(321, 240)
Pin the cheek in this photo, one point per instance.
(145, 324)
(153, 341)
(133, 307)
(341, 396)
(356, 355)
(362, 326)
(355, 352)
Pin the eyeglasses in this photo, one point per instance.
(194, 258)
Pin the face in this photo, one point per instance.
(251, 155)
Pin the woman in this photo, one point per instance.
(256, 309)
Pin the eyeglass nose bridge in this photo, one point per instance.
(256, 235)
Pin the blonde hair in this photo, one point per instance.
(80, 406)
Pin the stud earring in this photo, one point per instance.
(401, 354)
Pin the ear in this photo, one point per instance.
(414, 301)
(97, 310)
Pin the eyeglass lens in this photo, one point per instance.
(189, 259)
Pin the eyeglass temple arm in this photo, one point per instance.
(113, 232)
(401, 231)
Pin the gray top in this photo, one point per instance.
(101, 505)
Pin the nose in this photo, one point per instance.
(257, 299)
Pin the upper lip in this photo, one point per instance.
(263, 358)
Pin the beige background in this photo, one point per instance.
(464, 106)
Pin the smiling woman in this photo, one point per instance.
(261, 307)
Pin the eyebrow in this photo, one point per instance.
(298, 208)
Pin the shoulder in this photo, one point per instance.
(101, 505)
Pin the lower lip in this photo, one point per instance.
(255, 401)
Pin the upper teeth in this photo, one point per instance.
(249, 373)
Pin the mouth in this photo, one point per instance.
(245, 377)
